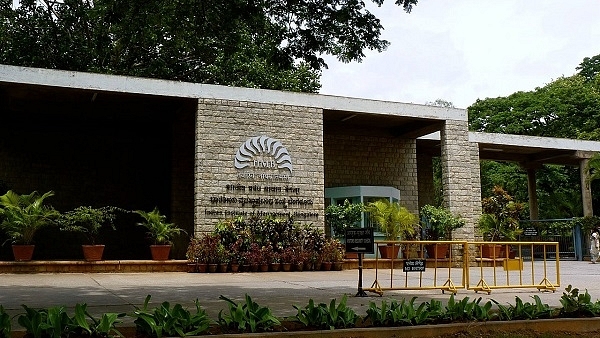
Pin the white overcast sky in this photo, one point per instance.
(462, 50)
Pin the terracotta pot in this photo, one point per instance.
(202, 267)
(286, 267)
(264, 267)
(235, 267)
(160, 252)
(298, 266)
(389, 251)
(192, 267)
(92, 252)
(438, 251)
(275, 267)
(23, 252)
(491, 251)
(223, 267)
(212, 268)
(337, 266)
(254, 267)
(326, 266)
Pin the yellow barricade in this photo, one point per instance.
(444, 271)
(452, 265)
(515, 265)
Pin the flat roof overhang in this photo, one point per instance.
(37, 77)
(529, 151)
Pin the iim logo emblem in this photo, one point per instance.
(263, 152)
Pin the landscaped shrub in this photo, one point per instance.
(247, 316)
(168, 321)
(327, 317)
(535, 310)
(5, 325)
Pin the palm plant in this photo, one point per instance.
(159, 230)
(392, 219)
(24, 215)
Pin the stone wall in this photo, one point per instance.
(352, 159)
(222, 191)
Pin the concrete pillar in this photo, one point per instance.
(532, 191)
(586, 189)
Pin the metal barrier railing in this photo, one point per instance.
(454, 269)
(517, 272)
(446, 255)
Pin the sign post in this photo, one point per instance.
(360, 241)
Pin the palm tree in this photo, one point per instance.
(23, 215)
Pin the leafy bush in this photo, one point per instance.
(323, 316)
(576, 304)
(103, 327)
(535, 310)
(248, 316)
(5, 324)
(463, 310)
(170, 322)
(52, 322)
(340, 217)
(403, 313)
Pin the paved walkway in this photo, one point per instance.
(119, 292)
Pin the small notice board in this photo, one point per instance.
(359, 240)
(414, 265)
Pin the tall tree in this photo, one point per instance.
(275, 44)
(567, 107)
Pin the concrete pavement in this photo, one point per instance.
(119, 292)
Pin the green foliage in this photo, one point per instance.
(463, 310)
(5, 324)
(521, 310)
(392, 219)
(440, 222)
(247, 317)
(24, 215)
(340, 217)
(103, 327)
(500, 220)
(403, 313)
(327, 317)
(159, 230)
(88, 221)
(168, 321)
(265, 44)
(53, 322)
(588, 223)
(576, 304)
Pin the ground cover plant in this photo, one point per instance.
(167, 320)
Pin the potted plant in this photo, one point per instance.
(88, 221)
(340, 217)
(500, 221)
(439, 223)
(160, 232)
(22, 217)
(394, 221)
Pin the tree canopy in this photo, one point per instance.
(275, 44)
(567, 107)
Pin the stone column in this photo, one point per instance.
(586, 189)
(532, 191)
(457, 171)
